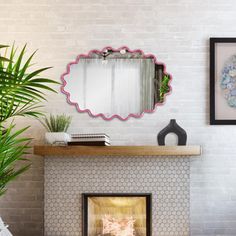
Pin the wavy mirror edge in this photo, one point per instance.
(149, 55)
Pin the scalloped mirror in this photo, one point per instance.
(116, 83)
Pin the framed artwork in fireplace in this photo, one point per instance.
(116, 214)
(222, 81)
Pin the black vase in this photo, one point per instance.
(172, 127)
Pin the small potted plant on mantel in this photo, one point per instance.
(57, 126)
(21, 94)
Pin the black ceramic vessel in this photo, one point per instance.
(172, 127)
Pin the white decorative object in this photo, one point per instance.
(57, 137)
(122, 51)
(3, 229)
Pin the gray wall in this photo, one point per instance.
(177, 32)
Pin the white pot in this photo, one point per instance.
(57, 137)
(3, 229)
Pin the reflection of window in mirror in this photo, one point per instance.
(116, 82)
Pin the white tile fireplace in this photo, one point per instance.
(167, 178)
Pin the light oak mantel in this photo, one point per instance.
(187, 151)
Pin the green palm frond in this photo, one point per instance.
(3, 59)
(21, 90)
(21, 93)
(12, 148)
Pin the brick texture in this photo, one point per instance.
(22, 206)
(177, 31)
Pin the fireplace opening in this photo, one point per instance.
(116, 214)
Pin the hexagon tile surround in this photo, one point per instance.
(166, 178)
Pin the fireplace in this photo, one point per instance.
(119, 214)
(166, 178)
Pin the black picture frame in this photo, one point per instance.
(86, 196)
(213, 120)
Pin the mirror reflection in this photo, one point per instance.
(116, 83)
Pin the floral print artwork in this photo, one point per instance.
(228, 81)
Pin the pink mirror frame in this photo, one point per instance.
(116, 115)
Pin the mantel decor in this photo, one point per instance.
(56, 126)
(172, 127)
(223, 81)
(116, 83)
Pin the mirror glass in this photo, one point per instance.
(115, 83)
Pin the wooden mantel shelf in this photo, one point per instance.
(117, 150)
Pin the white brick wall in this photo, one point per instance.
(177, 32)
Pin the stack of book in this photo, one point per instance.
(89, 140)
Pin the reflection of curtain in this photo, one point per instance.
(126, 86)
(137, 78)
(120, 86)
(147, 84)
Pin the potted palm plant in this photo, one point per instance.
(57, 126)
(21, 93)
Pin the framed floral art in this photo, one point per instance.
(222, 81)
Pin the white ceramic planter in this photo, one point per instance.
(3, 229)
(57, 137)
